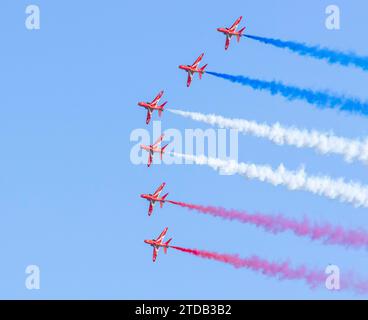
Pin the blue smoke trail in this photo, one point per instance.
(322, 99)
(332, 56)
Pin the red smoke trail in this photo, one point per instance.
(282, 271)
(278, 223)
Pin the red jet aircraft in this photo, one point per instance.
(157, 243)
(194, 69)
(229, 32)
(154, 148)
(151, 106)
(153, 198)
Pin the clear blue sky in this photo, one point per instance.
(69, 195)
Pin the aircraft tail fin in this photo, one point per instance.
(163, 198)
(202, 71)
(240, 34)
(167, 245)
(161, 109)
(163, 150)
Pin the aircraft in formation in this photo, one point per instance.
(194, 68)
(155, 197)
(156, 148)
(230, 32)
(152, 106)
(159, 243)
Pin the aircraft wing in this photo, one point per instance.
(235, 24)
(155, 252)
(190, 77)
(150, 208)
(162, 235)
(148, 119)
(196, 63)
(149, 159)
(158, 97)
(159, 189)
(227, 43)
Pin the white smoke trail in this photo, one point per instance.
(325, 143)
(351, 192)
